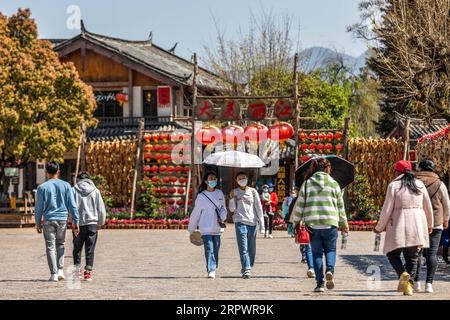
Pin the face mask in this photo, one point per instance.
(212, 183)
(266, 190)
(293, 195)
(271, 189)
(243, 182)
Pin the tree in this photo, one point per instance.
(410, 40)
(42, 101)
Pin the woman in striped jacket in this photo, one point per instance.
(321, 206)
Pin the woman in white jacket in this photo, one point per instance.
(209, 208)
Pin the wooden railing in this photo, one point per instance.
(130, 122)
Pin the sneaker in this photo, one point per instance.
(246, 274)
(404, 279)
(319, 288)
(330, 280)
(310, 273)
(270, 236)
(53, 278)
(408, 289)
(87, 276)
(61, 274)
(212, 275)
(429, 288)
(417, 287)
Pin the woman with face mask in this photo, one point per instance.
(208, 213)
(245, 204)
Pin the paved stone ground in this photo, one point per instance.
(162, 264)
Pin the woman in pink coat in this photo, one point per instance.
(407, 218)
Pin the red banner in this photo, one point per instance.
(164, 97)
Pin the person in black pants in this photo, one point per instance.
(92, 215)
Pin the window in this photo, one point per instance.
(107, 105)
(150, 104)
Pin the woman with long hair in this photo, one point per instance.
(208, 214)
(407, 218)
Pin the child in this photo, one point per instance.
(92, 215)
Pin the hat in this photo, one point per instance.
(196, 238)
(402, 166)
(265, 186)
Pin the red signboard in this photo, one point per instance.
(164, 94)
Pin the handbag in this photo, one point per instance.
(302, 234)
(221, 223)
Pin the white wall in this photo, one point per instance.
(137, 102)
(126, 106)
(41, 176)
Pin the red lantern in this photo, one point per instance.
(328, 146)
(186, 169)
(190, 202)
(163, 201)
(339, 147)
(155, 179)
(157, 156)
(313, 136)
(330, 136)
(283, 130)
(231, 110)
(171, 169)
(155, 136)
(305, 159)
(180, 202)
(304, 146)
(182, 180)
(147, 169)
(148, 147)
(257, 110)
(171, 201)
(156, 190)
(172, 190)
(208, 135)
(232, 134)
(154, 169)
(163, 136)
(338, 135)
(162, 168)
(173, 179)
(178, 168)
(320, 146)
(312, 146)
(204, 110)
(147, 137)
(166, 157)
(166, 179)
(284, 110)
(303, 136)
(181, 190)
(256, 133)
(147, 156)
(321, 136)
(163, 190)
(121, 97)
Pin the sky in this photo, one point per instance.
(191, 22)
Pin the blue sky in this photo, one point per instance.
(190, 22)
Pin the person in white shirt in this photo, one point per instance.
(208, 214)
(245, 204)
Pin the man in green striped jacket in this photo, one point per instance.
(321, 206)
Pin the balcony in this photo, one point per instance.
(131, 122)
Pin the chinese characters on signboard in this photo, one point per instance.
(164, 98)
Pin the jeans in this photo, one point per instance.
(306, 252)
(212, 246)
(411, 256)
(55, 237)
(430, 255)
(87, 237)
(246, 241)
(289, 229)
(268, 223)
(323, 241)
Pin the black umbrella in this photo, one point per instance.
(342, 171)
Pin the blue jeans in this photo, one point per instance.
(323, 241)
(289, 229)
(246, 241)
(306, 252)
(212, 246)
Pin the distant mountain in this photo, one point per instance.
(319, 58)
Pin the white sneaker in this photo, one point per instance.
(417, 286)
(270, 236)
(61, 274)
(311, 273)
(329, 280)
(429, 288)
(53, 278)
(212, 275)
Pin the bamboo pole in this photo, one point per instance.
(407, 141)
(297, 118)
(80, 146)
(192, 164)
(346, 138)
(137, 167)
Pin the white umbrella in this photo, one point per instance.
(234, 159)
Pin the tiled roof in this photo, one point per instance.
(153, 57)
(419, 128)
